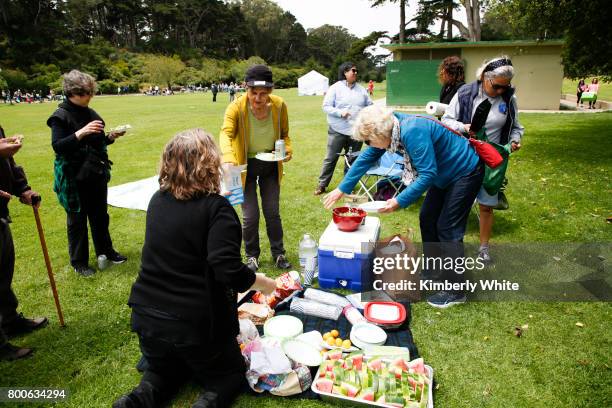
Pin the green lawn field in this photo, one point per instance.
(559, 191)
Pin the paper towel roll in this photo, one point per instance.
(435, 108)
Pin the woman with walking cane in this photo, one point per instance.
(12, 182)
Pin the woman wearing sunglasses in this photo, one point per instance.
(488, 102)
(342, 103)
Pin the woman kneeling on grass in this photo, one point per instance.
(184, 299)
(436, 160)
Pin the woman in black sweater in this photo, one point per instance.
(184, 299)
(82, 171)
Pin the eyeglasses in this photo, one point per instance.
(498, 87)
(367, 142)
(353, 70)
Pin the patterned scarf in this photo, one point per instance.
(410, 173)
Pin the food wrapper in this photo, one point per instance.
(286, 284)
(255, 312)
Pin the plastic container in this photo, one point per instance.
(388, 315)
(346, 258)
(348, 219)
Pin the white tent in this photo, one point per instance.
(313, 83)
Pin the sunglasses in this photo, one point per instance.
(353, 70)
(497, 87)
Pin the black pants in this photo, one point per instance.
(220, 368)
(92, 194)
(8, 300)
(336, 142)
(214, 97)
(265, 175)
(443, 220)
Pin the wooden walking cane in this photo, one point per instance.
(43, 244)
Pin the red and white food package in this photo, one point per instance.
(286, 284)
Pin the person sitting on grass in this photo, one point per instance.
(184, 299)
(12, 182)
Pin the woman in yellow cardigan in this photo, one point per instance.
(252, 124)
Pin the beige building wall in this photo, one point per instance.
(538, 72)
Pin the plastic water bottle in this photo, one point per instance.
(308, 258)
(102, 262)
(307, 249)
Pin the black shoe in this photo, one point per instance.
(282, 262)
(445, 299)
(8, 352)
(23, 325)
(252, 263)
(84, 270)
(116, 258)
(143, 396)
(207, 399)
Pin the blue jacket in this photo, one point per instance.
(439, 155)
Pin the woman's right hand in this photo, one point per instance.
(467, 127)
(264, 284)
(330, 199)
(95, 126)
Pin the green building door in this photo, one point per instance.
(412, 82)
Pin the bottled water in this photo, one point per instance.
(307, 249)
(308, 258)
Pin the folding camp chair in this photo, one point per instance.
(387, 170)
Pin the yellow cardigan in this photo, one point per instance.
(235, 132)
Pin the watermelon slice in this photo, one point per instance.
(375, 365)
(338, 375)
(417, 366)
(401, 363)
(367, 394)
(351, 389)
(395, 400)
(334, 354)
(324, 385)
(356, 359)
(337, 390)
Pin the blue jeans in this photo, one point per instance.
(443, 220)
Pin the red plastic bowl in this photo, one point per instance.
(350, 222)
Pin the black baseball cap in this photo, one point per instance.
(259, 75)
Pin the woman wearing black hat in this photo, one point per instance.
(253, 125)
(342, 103)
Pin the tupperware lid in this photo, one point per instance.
(385, 312)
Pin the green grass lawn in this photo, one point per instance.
(559, 191)
(605, 89)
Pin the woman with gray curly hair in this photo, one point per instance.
(436, 160)
(82, 171)
(489, 103)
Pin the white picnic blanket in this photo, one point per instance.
(135, 195)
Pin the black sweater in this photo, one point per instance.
(191, 264)
(12, 180)
(448, 91)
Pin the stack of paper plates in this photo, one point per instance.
(365, 335)
(283, 327)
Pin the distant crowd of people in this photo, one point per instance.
(19, 96)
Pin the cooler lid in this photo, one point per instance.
(333, 239)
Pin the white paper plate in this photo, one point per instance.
(369, 333)
(269, 157)
(302, 352)
(283, 327)
(373, 206)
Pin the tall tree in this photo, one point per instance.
(431, 11)
(328, 42)
(472, 12)
(402, 27)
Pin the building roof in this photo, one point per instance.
(473, 44)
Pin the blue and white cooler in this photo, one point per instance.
(346, 258)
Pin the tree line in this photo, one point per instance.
(132, 43)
